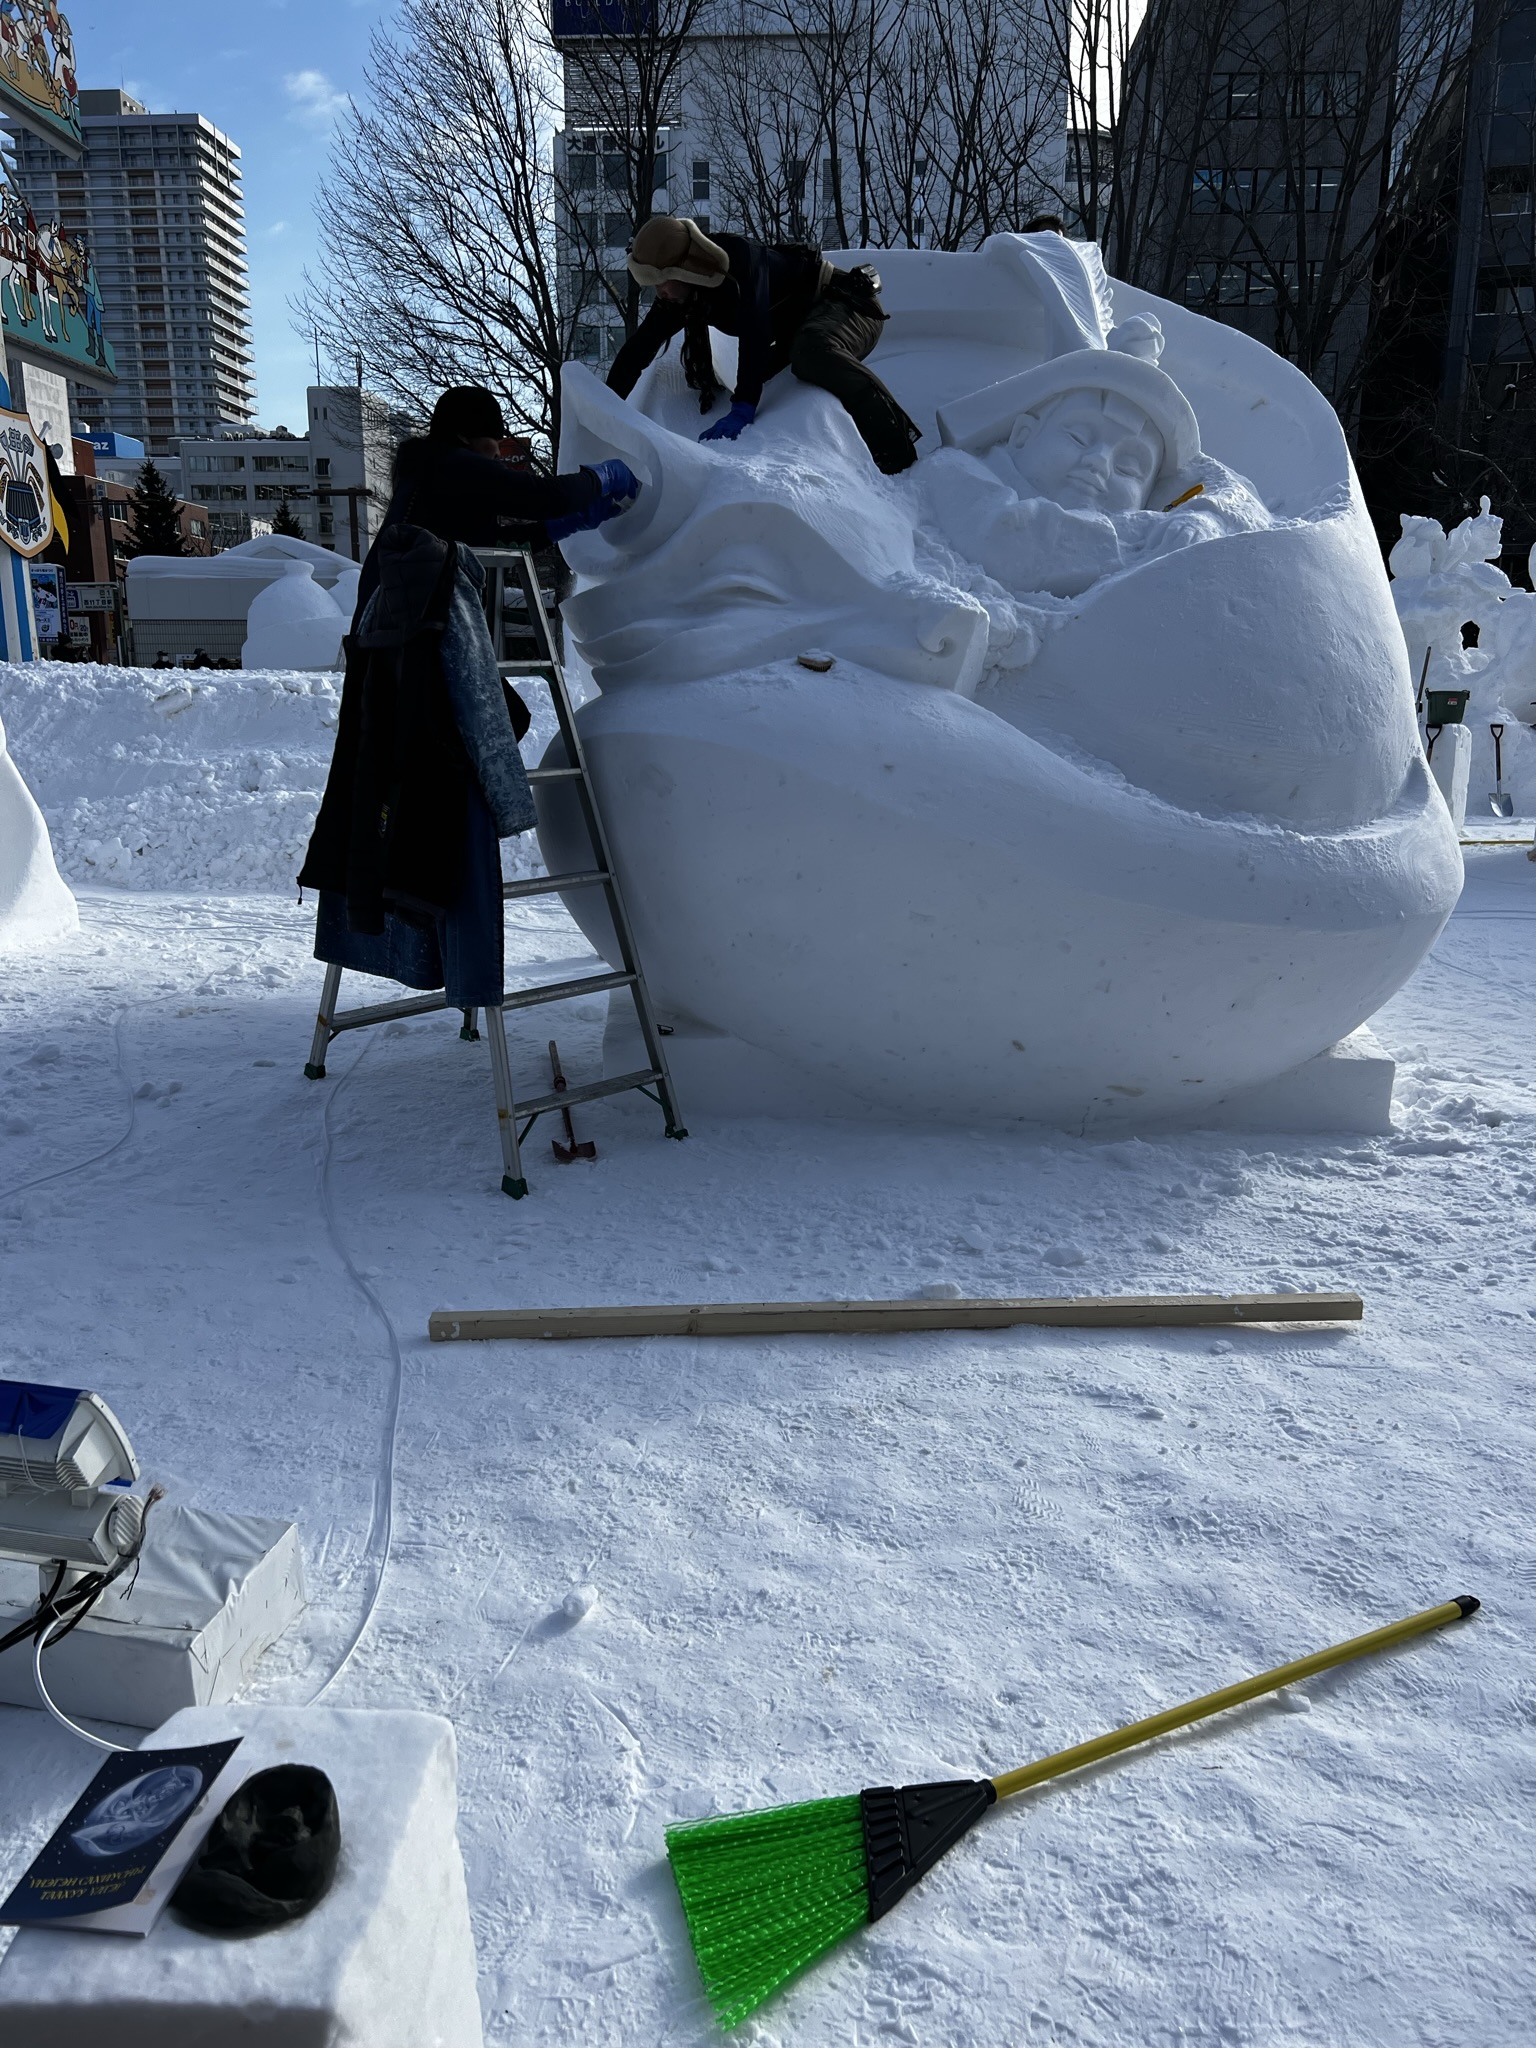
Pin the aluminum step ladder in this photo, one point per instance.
(516, 614)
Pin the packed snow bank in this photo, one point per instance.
(34, 903)
(184, 779)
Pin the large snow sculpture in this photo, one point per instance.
(35, 906)
(1158, 829)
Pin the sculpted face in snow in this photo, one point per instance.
(1156, 829)
(1091, 452)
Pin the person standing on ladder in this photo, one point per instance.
(426, 777)
(788, 308)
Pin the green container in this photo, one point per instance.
(1445, 707)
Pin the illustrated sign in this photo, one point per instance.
(26, 504)
(48, 600)
(49, 298)
(37, 72)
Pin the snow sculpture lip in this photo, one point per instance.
(1181, 841)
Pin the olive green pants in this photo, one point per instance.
(837, 334)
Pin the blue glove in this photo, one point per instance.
(620, 488)
(727, 429)
(618, 480)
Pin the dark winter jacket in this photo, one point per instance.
(423, 718)
(477, 499)
(763, 302)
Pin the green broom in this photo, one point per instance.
(766, 1893)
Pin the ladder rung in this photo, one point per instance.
(380, 1013)
(546, 885)
(554, 774)
(587, 1091)
(524, 668)
(561, 991)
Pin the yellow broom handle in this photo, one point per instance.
(1230, 1696)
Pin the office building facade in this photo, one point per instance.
(157, 200)
(334, 481)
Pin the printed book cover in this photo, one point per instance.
(121, 1849)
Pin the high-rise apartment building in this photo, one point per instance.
(156, 198)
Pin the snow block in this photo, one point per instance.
(35, 906)
(387, 1960)
(212, 1593)
(1451, 766)
(1346, 1088)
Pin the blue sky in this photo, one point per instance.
(272, 74)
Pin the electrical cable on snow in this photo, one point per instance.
(381, 1524)
(80, 1165)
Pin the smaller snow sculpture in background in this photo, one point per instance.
(293, 623)
(35, 906)
(1046, 479)
(1442, 582)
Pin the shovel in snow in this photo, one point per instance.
(571, 1149)
(1500, 802)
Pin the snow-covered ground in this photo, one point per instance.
(825, 1564)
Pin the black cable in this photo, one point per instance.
(81, 1597)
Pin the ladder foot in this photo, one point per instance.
(515, 1188)
(676, 1131)
(312, 1072)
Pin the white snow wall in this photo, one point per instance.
(35, 906)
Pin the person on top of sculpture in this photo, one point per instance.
(1072, 470)
(788, 308)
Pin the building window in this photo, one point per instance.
(1243, 284)
(1320, 191)
(1326, 95)
(1240, 189)
(1509, 190)
(1237, 95)
(700, 180)
(1506, 290)
(1510, 387)
(1516, 87)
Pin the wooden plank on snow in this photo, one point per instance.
(875, 1318)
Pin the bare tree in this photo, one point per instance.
(874, 123)
(437, 217)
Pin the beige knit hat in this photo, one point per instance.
(672, 246)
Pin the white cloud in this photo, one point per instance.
(315, 101)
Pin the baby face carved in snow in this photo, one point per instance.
(1090, 451)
